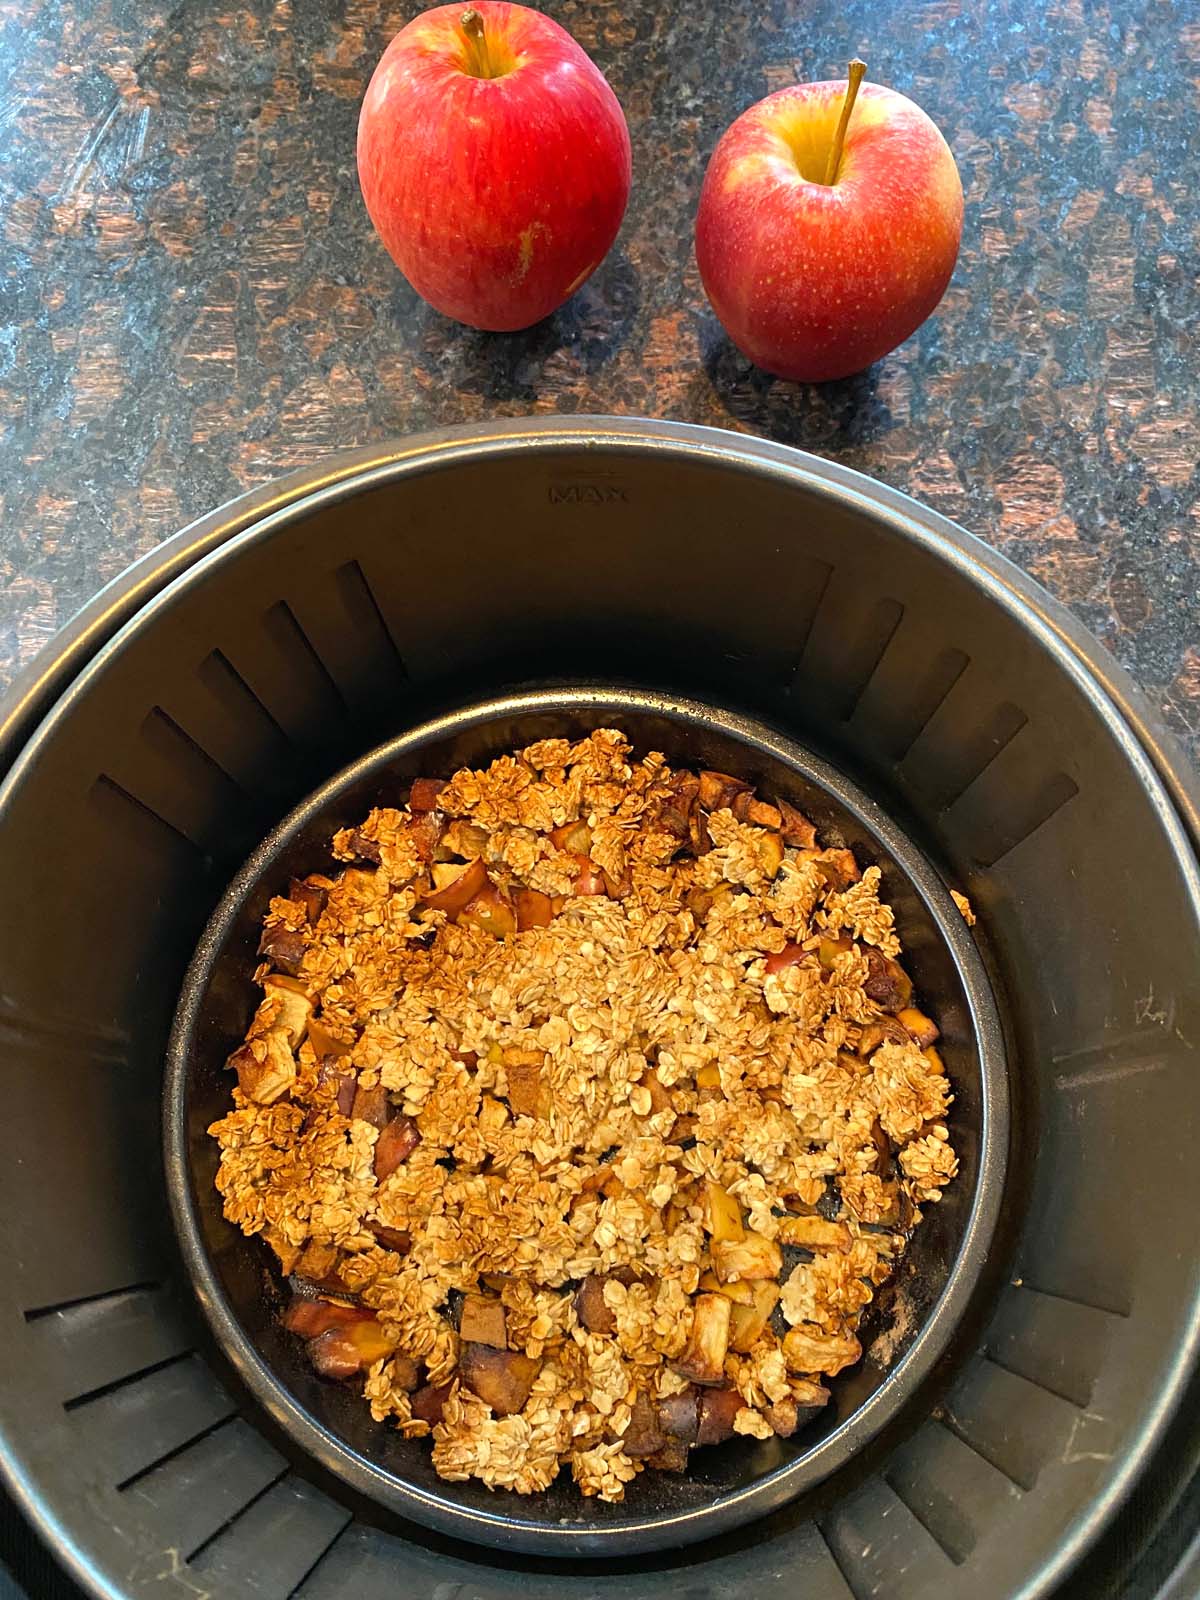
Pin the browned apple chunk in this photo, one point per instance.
(424, 794)
(884, 1030)
(643, 1436)
(723, 1214)
(523, 1069)
(429, 1402)
(266, 1067)
(491, 912)
(455, 886)
(311, 893)
(797, 830)
(755, 1256)
(807, 1349)
(501, 1378)
(718, 1407)
(703, 1357)
(309, 1318)
(397, 1141)
(371, 1105)
(293, 1007)
(923, 1030)
(590, 1306)
(748, 1322)
(533, 909)
(718, 790)
(887, 984)
(283, 948)
(814, 1233)
(333, 1355)
(679, 1414)
(397, 1239)
(483, 1322)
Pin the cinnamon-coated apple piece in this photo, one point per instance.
(313, 894)
(723, 1214)
(718, 1407)
(396, 1142)
(643, 1436)
(703, 1357)
(923, 1029)
(501, 1378)
(747, 1322)
(283, 947)
(454, 886)
(533, 909)
(591, 1308)
(797, 830)
(718, 791)
(792, 955)
(590, 879)
(309, 1318)
(887, 983)
(371, 1105)
(744, 1260)
(574, 837)
(397, 1239)
(424, 794)
(679, 1414)
(482, 1321)
(429, 1402)
(491, 912)
(673, 1457)
(265, 1066)
(527, 1095)
(294, 1008)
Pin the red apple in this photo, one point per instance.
(818, 263)
(494, 161)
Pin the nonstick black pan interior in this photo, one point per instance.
(724, 1486)
(337, 611)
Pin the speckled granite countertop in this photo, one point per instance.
(192, 299)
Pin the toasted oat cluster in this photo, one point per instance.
(586, 1110)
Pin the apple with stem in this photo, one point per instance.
(828, 227)
(494, 160)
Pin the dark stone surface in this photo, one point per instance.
(192, 299)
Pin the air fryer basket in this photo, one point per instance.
(722, 1489)
(306, 628)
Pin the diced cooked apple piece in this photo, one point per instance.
(457, 888)
(643, 1436)
(371, 1105)
(575, 837)
(723, 1214)
(809, 1395)
(482, 1321)
(703, 1357)
(426, 832)
(739, 1293)
(325, 1041)
(677, 807)
(590, 1307)
(770, 853)
(363, 847)
(679, 1414)
(718, 790)
(533, 909)
(309, 1318)
(405, 1374)
(673, 1457)
(333, 1355)
(759, 813)
(718, 1407)
(814, 1233)
(708, 1076)
(316, 1262)
(797, 830)
(699, 837)
(887, 983)
(424, 794)
(266, 1067)
(293, 1006)
(371, 1341)
(923, 1030)
(501, 1378)
(396, 1142)
(523, 1069)
(312, 894)
(493, 1114)
(754, 1256)
(344, 1084)
(429, 1402)
(829, 949)
(884, 1030)
(490, 912)
(838, 868)
(784, 1417)
(792, 955)
(397, 1239)
(934, 1058)
(660, 1098)
(806, 1348)
(283, 948)
(589, 880)
(746, 1322)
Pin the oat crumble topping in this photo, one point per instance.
(586, 1110)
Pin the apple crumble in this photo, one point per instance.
(586, 1111)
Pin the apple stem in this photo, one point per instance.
(857, 72)
(478, 60)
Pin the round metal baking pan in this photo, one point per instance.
(744, 1478)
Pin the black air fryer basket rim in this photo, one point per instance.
(506, 1527)
(1116, 700)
